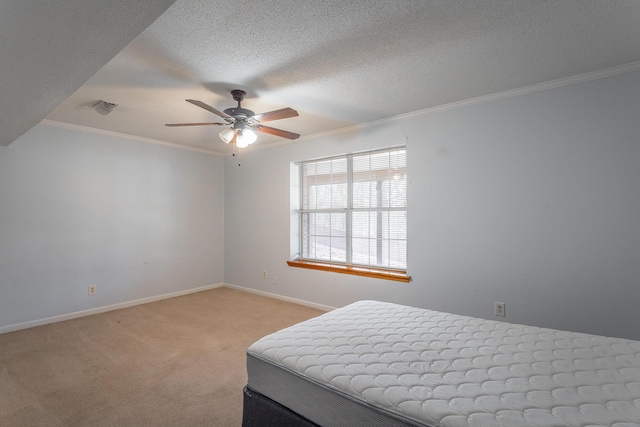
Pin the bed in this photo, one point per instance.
(380, 364)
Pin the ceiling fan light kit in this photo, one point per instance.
(245, 138)
(243, 123)
(227, 135)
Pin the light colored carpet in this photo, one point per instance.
(176, 362)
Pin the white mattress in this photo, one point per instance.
(421, 367)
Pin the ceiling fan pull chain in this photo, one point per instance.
(236, 155)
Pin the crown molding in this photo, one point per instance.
(553, 84)
(103, 132)
(539, 87)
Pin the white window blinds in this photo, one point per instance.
(354, 209)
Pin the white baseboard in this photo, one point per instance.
(75, 315)
(103, 309)
(282, 297)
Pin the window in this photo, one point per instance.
(353, 214)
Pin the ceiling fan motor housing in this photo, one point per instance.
(239, 113)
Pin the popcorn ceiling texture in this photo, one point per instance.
(50, 49)
(344, 63)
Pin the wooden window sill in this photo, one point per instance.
(377, 273)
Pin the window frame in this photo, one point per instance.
(347, 267)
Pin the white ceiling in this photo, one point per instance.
(49, 49)
(338, 63)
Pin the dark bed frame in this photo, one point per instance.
(260, 411)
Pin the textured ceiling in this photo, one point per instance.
(343, 63)
(49, 49)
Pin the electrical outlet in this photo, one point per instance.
(499, 309)
(264, 274)
(92, 289)
(275, 281)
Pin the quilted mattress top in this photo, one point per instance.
(446, 370)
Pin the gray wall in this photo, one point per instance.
(532, 200)
(138, 220)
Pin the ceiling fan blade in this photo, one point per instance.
(195, 124)
(283, 113)
(277, 132)
(209, 108)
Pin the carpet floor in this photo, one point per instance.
(176, 362)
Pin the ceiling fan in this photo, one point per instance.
(243, 122)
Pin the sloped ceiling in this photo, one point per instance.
(49, 49)
(338, 63)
